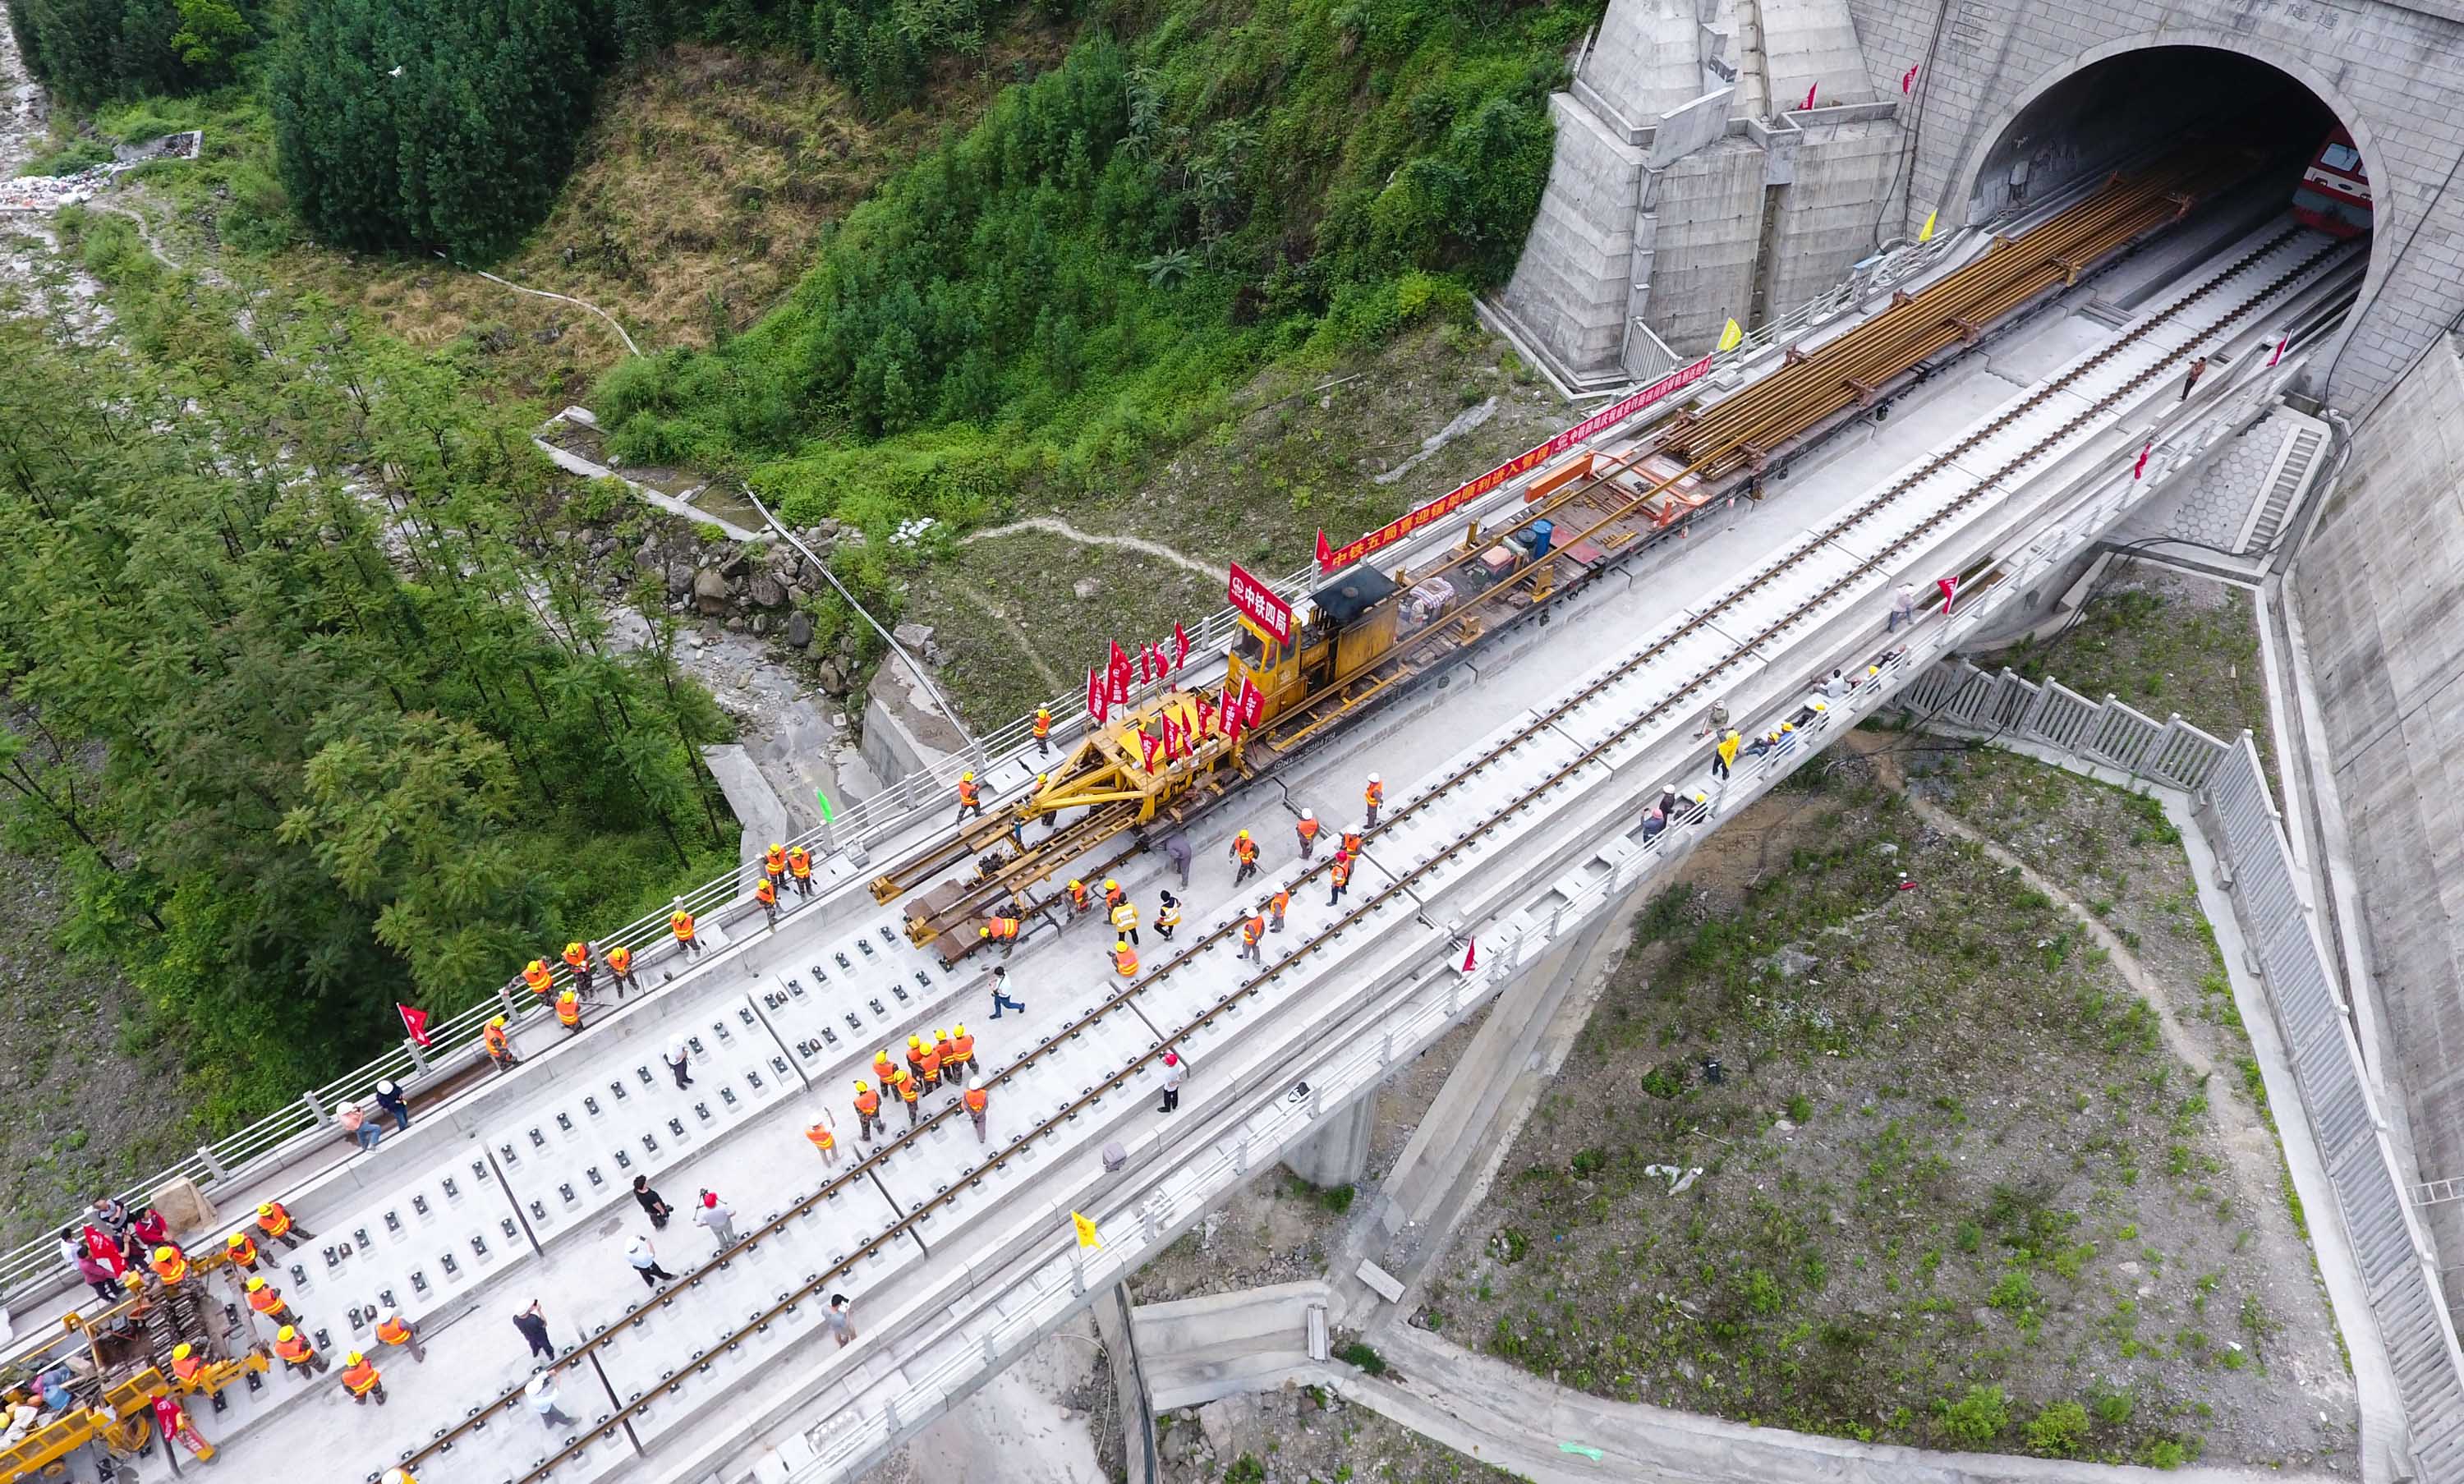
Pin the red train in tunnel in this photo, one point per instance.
(2333, 195)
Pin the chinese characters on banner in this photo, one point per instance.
(1107, 685)
(1257, 602)
(1330, 558)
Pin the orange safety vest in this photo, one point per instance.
(1246, 849)
(1374, 795)
(1004, 929)
(867, 1102)
(946, 1052)
(620, 958)
(884, 1070)
(171, 1272)
(907, 1087)
(294, 1349)
(535, 974)
(966, 791)
(1252, 926)
(266, 1299)
(568, 1009)
(1043, 724)
(1124, 958)
(577, 954)
(1343, 870)
(765, 893)
(975, 1100)
(1352, 843)
(392, 1330)
(820, 1134)
(361, 1378)
(186, 1367)
(244, 1251)
(1306, 829)
(773, 861)
(962, 1048)
(1280, 901)
(927, 1065)
(682, 925)
(800, 861)
(277, 1223)
(494, 1037)
(1078, 895)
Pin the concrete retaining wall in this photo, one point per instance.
(1827, 219)
(1709, 207)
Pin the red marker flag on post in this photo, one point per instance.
(1908, 79)
(1470, 950)
(2278, 354)
(1809, 94)
(1147, 742)
(1325, 551)
(2141, 466)
(415, 1021)
(1180, 638)
(1099, 694)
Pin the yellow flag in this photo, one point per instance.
(1086, 1237)
(1732, 337)
(1925, 234)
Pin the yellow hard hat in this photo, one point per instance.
(567, 993)
(287, 1332)
(538, 963)
(235, 1239)
(860, 1086)
(966, 778)
(1075, 883)
(915, 1041)
(181, 1352)
(164, 1255)
(1120, 944)
(353, 1359)
(255, 1282)
(963, 1029)
(775, 845)
(498, 1023)
(1043, 778)
(1109, 885)
(1244, 835)
(267, 1208)
(983, 933)
(574, 946)
(940, 1036)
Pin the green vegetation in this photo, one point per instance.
(86, 51)
(1088, 272)
(304, 746)
(1360, 1355)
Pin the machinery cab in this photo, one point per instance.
(1351, 629)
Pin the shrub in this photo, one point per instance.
(1976, 1418)
(2058, 1431)
(70, 158)
(2014, 1293)
(1360, 1355)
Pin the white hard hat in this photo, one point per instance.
(1374, 778)
(539, 1383)
(1308, 814)
(396, 1476)
(385, 1086)
(637, 1244)
(676, 1049)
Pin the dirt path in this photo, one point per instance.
(145, 232)
(1055, 526)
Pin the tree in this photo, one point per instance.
(211, 34)
(88, 51)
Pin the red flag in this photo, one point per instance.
(415, 1021)
(1809, 94)
(2278, 353)
(1146, 663)
(1469, 949)
(1205, 715)
(1180, 640)
(1099, 695)
(1325, 553)
(2141, 466)
(1119, 663)
(1147, 742)
(1949, 587)
(1174, 738)
(1908, 79)
(1253, 701)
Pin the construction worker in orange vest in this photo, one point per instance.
(534, 973)
(925, 1062)
(265, 1301)
(1340, 876)
(297, 1353)
(1252, 928)
(568, 1009)
(1167, 915)
(822, 1139)
(576, 957)
(768, 896)
(945, 1052)
(619, 968)
(1307, 830)
(185, 1368)
(1352, 841)
(501, 1044)
(969, 798)
(1113, 895)
(360, 1378)
(959, 1063)
(867, 1110)
(240, 1250)
(1275, 904)
(276, 1222)
(1125, 919)
(1043, 730)
(1245, 851)
(774, 861)
(907, 1093)
(170, 1265)
(395, 1330)
(1125, 959)
(975, 1101)
(800, 870)
(1079, 900)
(884, 1070)
(681, 922)
(1002, 931)
(1371, 796)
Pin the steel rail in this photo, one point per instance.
(1674, 701)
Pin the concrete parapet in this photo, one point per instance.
(1647, 58)
(1339, 1154)
(1827, 221)
(1571, 285)
(1811, 44)
(1709, 207)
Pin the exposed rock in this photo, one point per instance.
(761, 624)
(1792, 961)
(1086, 588)
(1222, 1423)
(647, 556)
(914, 638)
(797, 595)
(832, 678)
(735, 624)
(680, 578)
(736, 565)
(800, 628)
(1180, 1444)
(710, 592)
(767, 591)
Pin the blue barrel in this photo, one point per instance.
(1541, 530)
